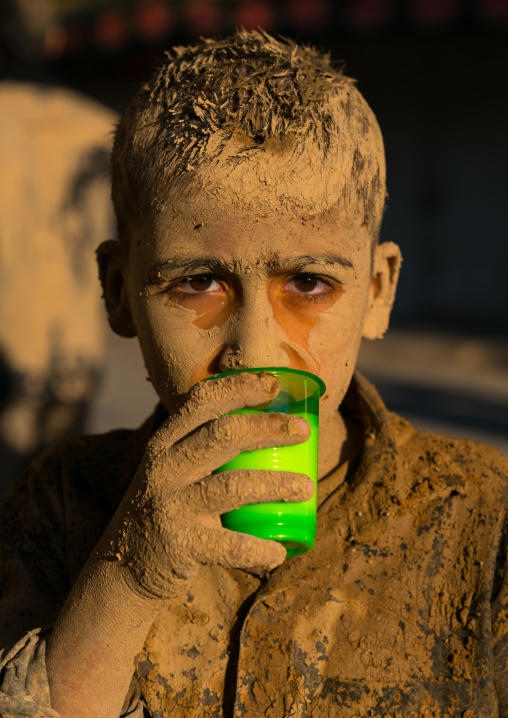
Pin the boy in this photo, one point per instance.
(248, 183)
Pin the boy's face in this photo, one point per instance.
(209, 290)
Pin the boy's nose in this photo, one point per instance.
(253, 339)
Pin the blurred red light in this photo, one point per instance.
(255, 14)
(494, 10)
(203, 16)
(75, 39)
(370, 15)
(153, 19)
(55, 42)
(432, 13)
(110, 30)
(310, 14)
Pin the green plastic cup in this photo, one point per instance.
(291, 523)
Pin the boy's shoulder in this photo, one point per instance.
(473, 465)
(429, 458)
(97, 464)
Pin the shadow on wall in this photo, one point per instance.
(39, 411)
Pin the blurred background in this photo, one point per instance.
(435, 73)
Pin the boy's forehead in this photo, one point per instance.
(203, 225)
(307, 187)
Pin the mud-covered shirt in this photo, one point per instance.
(400, 610)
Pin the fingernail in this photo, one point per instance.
(268, 382)
(309, 487)
(297, 426)
(279, 557)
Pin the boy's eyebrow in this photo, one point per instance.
(220, 266)
(304, 260)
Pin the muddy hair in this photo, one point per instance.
(260, 91)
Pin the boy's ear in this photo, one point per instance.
(111, 274)
(385, 275)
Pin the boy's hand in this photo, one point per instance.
(168, 524)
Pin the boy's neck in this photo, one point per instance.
(339, 440)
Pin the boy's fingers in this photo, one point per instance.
(231, 549)
(232, 489)
(210, 399)
(221, 440)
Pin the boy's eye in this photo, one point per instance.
(304, 287)
(306, 283)
(309, 284)
(199, 284)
